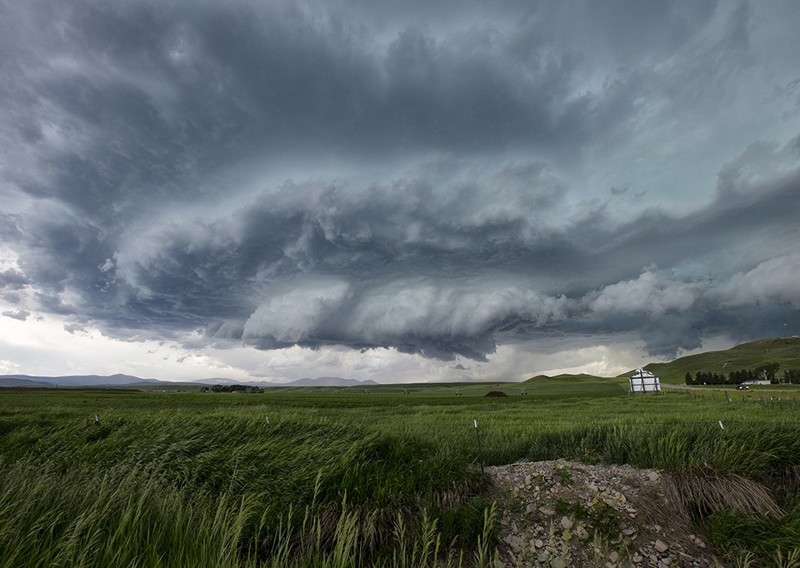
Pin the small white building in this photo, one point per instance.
(645, 381)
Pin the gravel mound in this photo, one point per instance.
(561, 514)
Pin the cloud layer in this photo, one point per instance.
(441, 180)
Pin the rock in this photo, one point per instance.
(532, 533)
(514, 542)
(696, 540)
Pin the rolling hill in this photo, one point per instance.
(564, 377)
(784, 350)
(326, 382)
(17, 382)
(73, 381)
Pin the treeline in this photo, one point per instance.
(768, 372)
(233, 388)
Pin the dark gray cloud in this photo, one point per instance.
(432, 177)
(74, 328)
(455, 271)
(12, 279)
(21, 315)
(136, 100)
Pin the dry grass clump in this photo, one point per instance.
(702, 495)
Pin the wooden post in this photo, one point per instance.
(478, 439)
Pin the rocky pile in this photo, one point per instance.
(559, 514)
(495, 394)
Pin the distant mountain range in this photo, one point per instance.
(327, 382)
(119, 380)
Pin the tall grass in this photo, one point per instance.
(348, 479)
(135, 518)
(122, 517)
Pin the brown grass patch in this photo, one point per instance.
(701, 495)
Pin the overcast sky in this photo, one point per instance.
(419, 191)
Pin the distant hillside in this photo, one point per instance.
(16, 382)
(117, 380)
(216, 381)
(327, 382)
(567, 377)
(784, 351)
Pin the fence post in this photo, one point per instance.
(478, 439)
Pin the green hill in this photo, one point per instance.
(565, 377)
(785, 351)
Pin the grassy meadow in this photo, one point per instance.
(382, 476)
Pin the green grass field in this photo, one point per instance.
(382, 476)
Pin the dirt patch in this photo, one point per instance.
(495, 394)
(560, 514)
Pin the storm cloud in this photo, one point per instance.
(440, 180)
